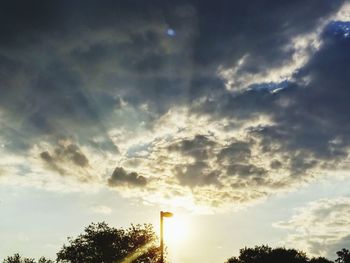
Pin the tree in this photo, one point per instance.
(343, 256)
(320, 260)
(16, 258)
(265, 254)
(104, 244)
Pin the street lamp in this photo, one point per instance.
(162, 215)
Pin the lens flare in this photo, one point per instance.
(171, 32)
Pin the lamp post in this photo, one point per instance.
(162, 215)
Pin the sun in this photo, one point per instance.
(176, 230)
(179, 233)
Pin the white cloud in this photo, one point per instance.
(301, 46)
(344, 13)
(321, 227)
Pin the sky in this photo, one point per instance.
(234, 115)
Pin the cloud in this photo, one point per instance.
(236, 151)
(320, 227)
(245, 170)
(314, 121)
(196, 174)
(71, 152)
(120, 177)
(50, 161)
(129, 53)
(63, 153)
(308, 116)
(223, 112)
(198, 147)
(175, 168)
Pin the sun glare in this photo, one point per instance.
(176, 231)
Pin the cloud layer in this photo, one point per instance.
(242, 101)
(321, 227)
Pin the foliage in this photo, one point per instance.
(320, 260)
(266, 254)
(343, 256)
(16, 258)
(104, 244)
(101, 243)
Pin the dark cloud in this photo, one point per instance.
(90, 51)
(76, 156)
(63, 155)
(308, 129)
(197, 174)
(93, 71)
(316, 119)
(245, 170)
(51, 163)
(275, 164)
(214, 163)
(228, 30)
(235, 152)
(199, 147)
(46, 156)
(120, 177)
(309, 115)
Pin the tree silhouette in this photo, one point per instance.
(265, 254)
(320, 260)
(16, 258)
(104, 244)
(343, 256)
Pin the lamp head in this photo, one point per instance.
(166, 214)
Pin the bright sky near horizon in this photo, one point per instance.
(232, 114)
